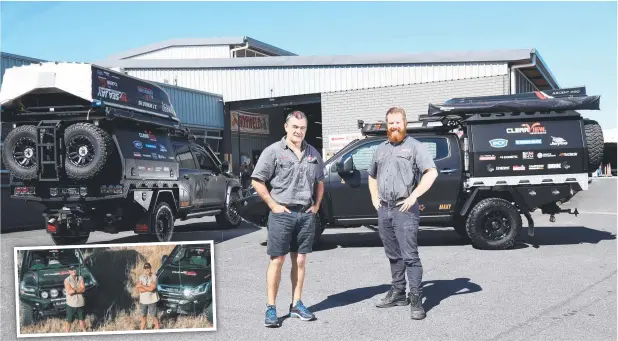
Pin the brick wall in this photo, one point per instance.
(341, 110)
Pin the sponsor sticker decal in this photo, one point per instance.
(536, 167)
(136, 154)
(445, 206)
(138, 144)
(554, 166)
(519, 168)
(498, 143)
(487, 157)
(151, 146)
(542, 155)
(509, 157)
(490, 168)
(565, 165)
(533, 129)
(558, 141)
(502, 168)
(148, 135)
(141, 168)
(568, 154)
(527, 142)
(162, 149)
(527, 155)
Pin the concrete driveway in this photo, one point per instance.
(559, 285)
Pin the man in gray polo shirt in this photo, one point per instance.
(397, 165)
(295, 171)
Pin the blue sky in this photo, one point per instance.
(577, 40)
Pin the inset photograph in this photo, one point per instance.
(115, 289)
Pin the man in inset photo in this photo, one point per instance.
(75, 288)
(148, 296)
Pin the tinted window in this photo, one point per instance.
(184, 157)
(437, 146)
(362, 156)
(203, 159)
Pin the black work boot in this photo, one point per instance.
(393, 298)
(416, 306)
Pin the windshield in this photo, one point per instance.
(53, 259)
(197, 257)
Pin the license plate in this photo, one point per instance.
(59, 303)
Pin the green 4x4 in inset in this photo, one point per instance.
(41, 276)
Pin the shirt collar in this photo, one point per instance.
(284, 144)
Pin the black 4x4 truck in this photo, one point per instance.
(498, 158)
(103, 151)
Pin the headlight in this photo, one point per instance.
(44, 294)
(53, 293)
(26, 289)
(187, 292)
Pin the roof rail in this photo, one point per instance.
(554, 100)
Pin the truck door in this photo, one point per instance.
(441, 198)
(216, 185)
(192, 194)
(350, 197)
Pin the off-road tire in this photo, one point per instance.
(26, 134)
(102, 146)
(70, 240)
(595, 143)
(229, 217)
(163, 213)
(208, 313)
(475, 222)
(26, 315)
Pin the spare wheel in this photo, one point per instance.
(88, 148)
(19, 153)
(595, 143)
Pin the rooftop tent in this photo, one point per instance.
(552, 100)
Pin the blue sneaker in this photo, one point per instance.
(301, 312)
(271, 321)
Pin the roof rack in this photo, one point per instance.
(379, 128)
(558, 100)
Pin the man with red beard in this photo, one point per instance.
(394, 172)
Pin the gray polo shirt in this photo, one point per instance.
(292, 180)
(399, 168)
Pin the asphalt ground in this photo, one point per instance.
(558, 285)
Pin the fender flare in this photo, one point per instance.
(228, 192)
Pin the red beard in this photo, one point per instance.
(396, 135)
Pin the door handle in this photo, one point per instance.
(448, 170)
(186, 176)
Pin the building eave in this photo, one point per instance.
(506, 56)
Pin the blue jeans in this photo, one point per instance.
(399, 232)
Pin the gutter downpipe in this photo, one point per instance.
(233, 51)
(515, 68)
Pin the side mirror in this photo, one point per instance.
(163, 258)
(225, 167)
(346, 165)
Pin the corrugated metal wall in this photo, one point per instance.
(10, 60)
(522, 83)
(195, 107)
(254, 83)
(188, 52)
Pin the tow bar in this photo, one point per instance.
(552, 217)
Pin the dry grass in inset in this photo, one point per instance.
(116, 307)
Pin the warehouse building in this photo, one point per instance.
(335, 91)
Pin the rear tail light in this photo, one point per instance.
(25, 191)
(141, 228)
